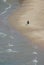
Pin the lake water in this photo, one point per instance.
(15, 49)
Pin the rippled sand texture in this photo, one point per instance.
(32, 10)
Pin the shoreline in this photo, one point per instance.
(29, 11)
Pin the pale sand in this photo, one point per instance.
(32, 10)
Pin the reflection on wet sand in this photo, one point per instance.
(33, 11)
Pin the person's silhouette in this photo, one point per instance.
(28, 22)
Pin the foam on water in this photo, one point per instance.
(3, 12)
(10, 50)
(10, 45)
(6, 9)
(3, 34)
(35, 61)
(35, 53)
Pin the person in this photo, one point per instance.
(28, 22)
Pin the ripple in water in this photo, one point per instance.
(35, 53)
(10, 45)
(10, 50)
(35, 61)
(3, 34)
(5, 9)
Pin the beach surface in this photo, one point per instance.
(15, 48)
(34, 12)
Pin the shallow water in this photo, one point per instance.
(15, 49)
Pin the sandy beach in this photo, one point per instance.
(17, 38)
(34, 12)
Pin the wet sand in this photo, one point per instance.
(34, 12)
